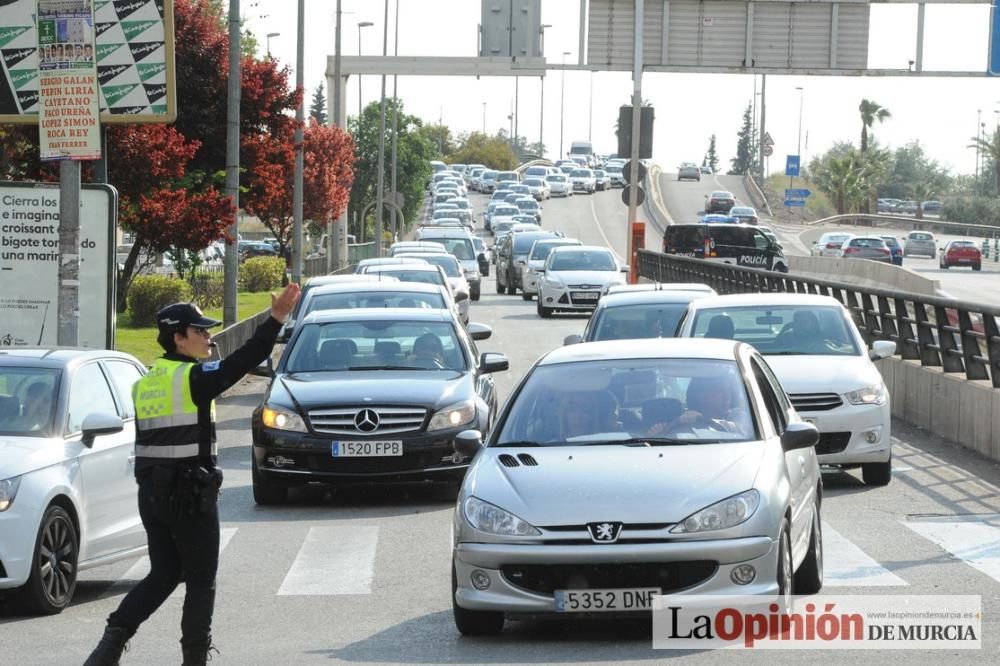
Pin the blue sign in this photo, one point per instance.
(797, 193)
(795, 203)
(994, 61)
(792, 162)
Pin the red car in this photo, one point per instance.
(719, 202)
(961, 253)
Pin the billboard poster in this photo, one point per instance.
(29, 264)
(132, 49)
(68, 125)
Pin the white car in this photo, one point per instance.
(583, 180)
(823, 363)
(67, 470)
(559, 185)
(537, 255)
(538, 188)
(575, 277)
(457, 282)
(828, 245)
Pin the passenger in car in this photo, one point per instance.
(711, 404)
(659, 413)
(427, 349)
(804, 335)
(721, 326)
(36, 408)
(587, 412)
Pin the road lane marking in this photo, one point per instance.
(846, 565)
(974, 542)
(140, 569)
(597, 221)
(333, 560)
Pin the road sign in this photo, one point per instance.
(640, 195)
(797, 193)
(768, 141)
(792, 165)
(768, 150)
(627, 172)
(795, 203)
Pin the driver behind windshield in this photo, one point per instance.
(712, 404)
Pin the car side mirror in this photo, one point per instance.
(799, 435)
(882, 349)
(540, 270)
(100, 423)
(286, 331)
(265, 369)
(493, 362)
(468, 443)
(572, 339)
(479, 331)
(626, 268)
(461, 296)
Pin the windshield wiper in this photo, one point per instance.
(384, 367)
(517, 444)
(788, 353)
(653, 441)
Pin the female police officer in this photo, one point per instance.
(175, 467)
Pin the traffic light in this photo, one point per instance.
(645, 132)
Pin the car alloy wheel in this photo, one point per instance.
(786, 581)
(809, 577)
(877, 474)
(52, 581)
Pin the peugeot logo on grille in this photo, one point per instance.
(366, 420)
(604, 532)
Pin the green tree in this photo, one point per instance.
(438, 135)
(989, 145)
(746, 146)
(492, 151)
(317, 109)
(413, 155)
(711, 157)
(871, 112)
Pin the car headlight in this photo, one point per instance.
(471, 275)
(491, 519)
(875, 394)
(554, 283)
(8, 490)
(728, 513)
(453, 416)
(281, 419)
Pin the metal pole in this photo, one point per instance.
(636, 134)
(562, 104)
(68, 333)
(978, 138)
(541, 118)
(396, 217)
(232, 258)
(760, 143)
(484, 117)
(330, 242)
(590, 114)
(753, 117)
(380, 193)
(300, 118)
(517, 116)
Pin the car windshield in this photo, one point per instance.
(963, 244)
(375, 299)
(428, 276)
(460, 247)
(646, 320)
(540, 251)
(613, 169)
(741, 211)
(867, 242)
(721, 195)
(582, 261)
(523, 242)
(921, 237)
(533, 182)
(527, 204)
(631, 401)
(375, 345)
(890, 241)
(502, 227)
(448, 263)
(819, 330)
(504, 211)
(581, 173)
(27, 400)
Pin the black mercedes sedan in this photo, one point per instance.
(372, 395)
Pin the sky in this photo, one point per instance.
(942, 113)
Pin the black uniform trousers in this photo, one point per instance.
(185, 544)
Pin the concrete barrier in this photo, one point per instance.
(957, 409)
(866, 273)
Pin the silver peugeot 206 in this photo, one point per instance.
(621, 470)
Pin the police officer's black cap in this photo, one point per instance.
(181, 315)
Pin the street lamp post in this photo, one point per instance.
(562, 103)
(484, 117)
(396, 217)
(362, 24)
(269, 36)
(979, 113)
(798, 150)
(541, 105)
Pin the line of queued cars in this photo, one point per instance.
(889, 249)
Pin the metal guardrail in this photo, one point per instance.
(923, 224)
(953, 335)
(757, 194)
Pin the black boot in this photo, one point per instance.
(197, 654)
(109, 649)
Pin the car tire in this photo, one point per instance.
(543, 311)
(524, 296)
(785, 577)
(943, 264)
(473, 622)
(877, 474)
(511, 289)
(266, 493)
(475, 294)
(501, 288)
(977, 267)
(809, 577)
(49, 589)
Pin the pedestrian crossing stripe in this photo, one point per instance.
(340, 560)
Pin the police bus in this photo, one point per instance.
(725, 242)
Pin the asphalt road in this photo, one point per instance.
(362, 575)
(685, 199)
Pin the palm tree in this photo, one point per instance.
(989, 145)
(870, 112)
